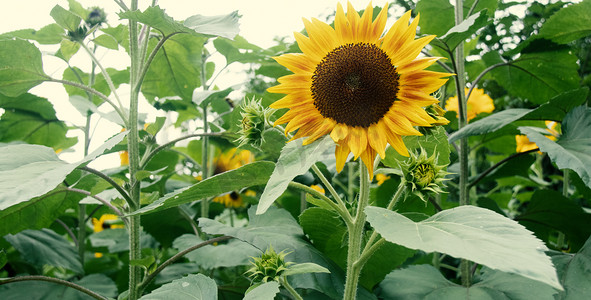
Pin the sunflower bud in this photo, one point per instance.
(269, 266)
(78, 35)
(422, 175)
(97, 16)
(436, 112)
(254, 122)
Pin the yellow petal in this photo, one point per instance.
(341, 154)
(325, 126)
(368, 157)
(295, 62)
(377, 138)
(357, 140)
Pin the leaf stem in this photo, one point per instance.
(148, 62)
(344, 214)
(108, 179)
(332, 191)
(54, 280)
(103, 71)
(289, 288)
(147, 158)
(493, 167)
(103, 201)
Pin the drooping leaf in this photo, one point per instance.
(555, 110)
(574, 271)
(548, 210)
(425, 282)
(65, 18)
(238, 50)
(256, 173)
(21, 67)
(568, 24)
(106, 41)
(265, 291)
(573, 148)
(48, 35)
(462, 31)
(28, 171)
(234, 253)
(40, 290)
(45, 247)
(464, 232)
(536, 76)
(190, 287)
(156, 17)
(295, 160)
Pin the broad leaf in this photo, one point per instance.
(574, 271)
(65, 18)
(573, 148)
(21, 67)
(45, 247)
(256, 173)
(425, 282)
(67, 50)
(473, 233)
(265, 291)
(305, 268)
(156, 17)
(203, 98)
(28, 171)
(462, 31)
(40, 290)
(106, 41)
(238, 50)
(100, 84)
(117, 240)
(536, 76)
(231, 254)
(295, 160)
(555, 110)
(435, 140)
(568, 24)
(48, 35)
(191, 287)
(437, 16)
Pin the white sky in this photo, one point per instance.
(261, 22)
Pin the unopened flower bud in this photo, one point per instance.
(97, 16)
(254, 122)
(269, 266)
(422, 174)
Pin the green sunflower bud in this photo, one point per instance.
(79, 35)
(97, 16)
(422, 174)
(255, 120)
(269, 266)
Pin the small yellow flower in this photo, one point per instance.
(230, 200)
(478, 102)
(106, 221)
(318, 188)
(524, 144)
(381, 178)
(124, 158)
(232, 159)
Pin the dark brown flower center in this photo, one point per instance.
(355, 84)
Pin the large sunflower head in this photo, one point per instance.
(364, 87)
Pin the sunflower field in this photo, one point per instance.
(426, 149)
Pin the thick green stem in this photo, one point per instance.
(356, 236)
(104, 72)
(205, 162)
(290, 289)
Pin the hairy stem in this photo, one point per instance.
(331, 190)
(290, 289)
(103, 71)
(344, 214)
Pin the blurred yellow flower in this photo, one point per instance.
(524, 144)
(381, 178)
(318, 188)
(230, 160)
(478, 102)
(229, 200)
(106, 221)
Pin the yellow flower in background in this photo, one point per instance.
(318, 188)
(230, 160)
(381, 178)
(106, 221)
(524, 144)
(124, 158)
(362, 88)
(478, 102)
(230, 200)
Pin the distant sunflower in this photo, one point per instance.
(363, 88)
(106, 221)
(230, 160)
(524, 144)
(478, 102)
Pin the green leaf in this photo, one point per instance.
(573, 148)
(154, 128)
(28, 171)
(176, 69)
(190, 287)
(3, 258)
(203, 98)
(67, 50)
(265, 291)
(117, 240)
(548, 210)
(437, 16)
(155, 17)
(573, 271)
(232, 254)
(536, 76)
(238, 50)
(45, 247)
(462, 31)
(568, 24)
(295, 160)
(435, 140)
(248, 175)
(21, 67)
(100, 84)
(65, 18)
(305, 268)
(77, 8)
(555, 110)
(40, 290)
(425, 282)
(464, 232)
(106, 41)
(48, 35)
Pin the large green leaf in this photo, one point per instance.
(462, 31)
(434, 140)
(568, 24)
(574, 272)
(256, 173)
(31, 119)
(238, 50)
(536, 76)
(425, 282)
(41, 290)
(191, 287)
(156, 17)
(118, 77)
(234, 253)
(28, 171)
(295, 160)
(21, 67)
(265, 291)
(473, 233)
(117, 240)
(555, 110)
(437, 16)
(65, 18)
(48, 35)
(45, 247)
(573, 148)
(549, 210)
(176, 69)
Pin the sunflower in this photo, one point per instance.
(524, 144)
(478, 102)
(364, 89)
(106, 221)
(230, 160)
